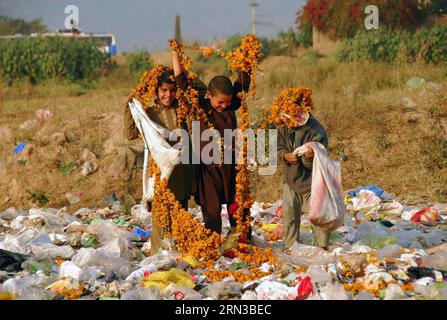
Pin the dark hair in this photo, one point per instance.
(221, 84)
(166, 77)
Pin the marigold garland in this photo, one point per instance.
(291, 100)
(190, 235)
(246, 58)
(146, 88)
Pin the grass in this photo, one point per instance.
(359, 104)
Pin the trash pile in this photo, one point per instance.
(387, 249)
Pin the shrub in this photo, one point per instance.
(385, 45)
(342, 18)
(39, 59)
(138, 61)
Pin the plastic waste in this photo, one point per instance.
(102, 258)
(326, 208)
(88, 240)
(163, 154)
(162, 279)
(417, 83)
(30, 287)
(272, 290)
(163, 260)
(34, 266)
(334, 292)
(51, 251)
(68, 288)
(249, 295)
(143, 234)
(222, 288)
(319, 276)
(150, 293)
(141, 273)
(10, 261)
(375, 235)
(104, 230)
(176, 292)
(377, 190)
(19, 243)
(423, 272)
(437, 260)
(393, 292)
(304, 255)
(390, 251)
(426, 215)
(363, 295)
(20, 147)
(366, 199)
(43, 114)
(120, 248)
(139, 213)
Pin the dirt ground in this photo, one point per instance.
(386, 133)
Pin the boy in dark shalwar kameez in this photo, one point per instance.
(216, 182)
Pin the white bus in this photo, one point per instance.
(107, 43)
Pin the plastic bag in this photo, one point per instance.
(334, 292)
(19, 243)
(175, 292)
(162, 279)
(102, 258)
(223, 288)
(366, 199)
(141, 273)
(151, 293)
(29, 287)
(105, 230)
(51, 251)
(375, 235)
(69, 288)
(437, 260)
(390, 251)
(326, 208)
(377, 190)
(426, 215)
(165, 156)
(272, 290)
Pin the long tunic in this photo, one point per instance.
(299, 176)
(217, 182)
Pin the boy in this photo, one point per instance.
(163, 112)
(216, 183)
(297, 175)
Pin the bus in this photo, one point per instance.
(107, 42)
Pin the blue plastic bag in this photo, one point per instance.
(20, 148)
(377, 190)
(144, 235)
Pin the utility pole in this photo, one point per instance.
(253, 7)
(177, 34)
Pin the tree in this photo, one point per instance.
(10, 26)
(343, 18)
(435, 6)
(177, 35)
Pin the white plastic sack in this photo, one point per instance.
(326, 201)
(165, 156)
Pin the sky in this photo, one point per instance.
(150, 23)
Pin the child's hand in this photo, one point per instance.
(290, 158)
(309, 154)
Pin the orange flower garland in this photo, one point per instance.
(246, 58)
(292, 100)
(144, 91)
(190, 235)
